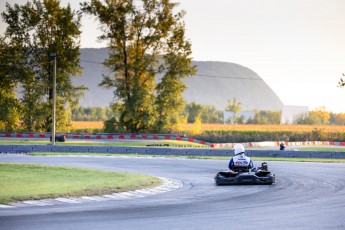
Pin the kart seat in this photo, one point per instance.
(240, 168)
(228, 174)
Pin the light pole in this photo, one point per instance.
(53, 55)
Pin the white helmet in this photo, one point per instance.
(238, 148)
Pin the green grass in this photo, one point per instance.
(31, 182)
(297, 159)
(322, 148)
(137, 143)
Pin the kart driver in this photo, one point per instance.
(240, 159)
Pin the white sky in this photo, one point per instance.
(296, 46)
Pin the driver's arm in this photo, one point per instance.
(231, 164)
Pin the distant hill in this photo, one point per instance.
(214, 84)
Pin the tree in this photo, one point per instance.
(322, 114)
(211, 115)
(319, 116)
(9, 104)
(91, 113)
(337, 118)
(234, 107)
(207, 113)
(145, 38)
(307, 119)
(177, 65)
(35, 30)
(193, 111)
(197, 128)
(265, 117)
(10, 109)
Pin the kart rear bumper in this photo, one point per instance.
(222, 178)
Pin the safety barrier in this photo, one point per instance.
(166, 151)
(167, 137)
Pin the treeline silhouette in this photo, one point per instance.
(210, 115)
(92, 113)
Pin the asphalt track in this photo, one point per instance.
(306, 196)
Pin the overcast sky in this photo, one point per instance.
(296, 46)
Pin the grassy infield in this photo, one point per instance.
(28, 182)
(31, 182)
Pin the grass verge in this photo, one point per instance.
(297, 159)
(33, 182)
(322, 148)
(136, 143)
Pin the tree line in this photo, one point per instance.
(208, 114)
(320, 116)
(145, 38)
(92, 113)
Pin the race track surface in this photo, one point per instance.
(306, 196)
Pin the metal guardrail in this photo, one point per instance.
(167, 151)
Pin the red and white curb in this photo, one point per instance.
(277, 143)
(104, 137)
(167, 186)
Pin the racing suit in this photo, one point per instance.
(240, 160)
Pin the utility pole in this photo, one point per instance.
(53, 55)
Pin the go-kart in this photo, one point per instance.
(244, 175)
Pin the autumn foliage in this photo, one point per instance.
(226, 133)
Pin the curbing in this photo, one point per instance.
(167, 186)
